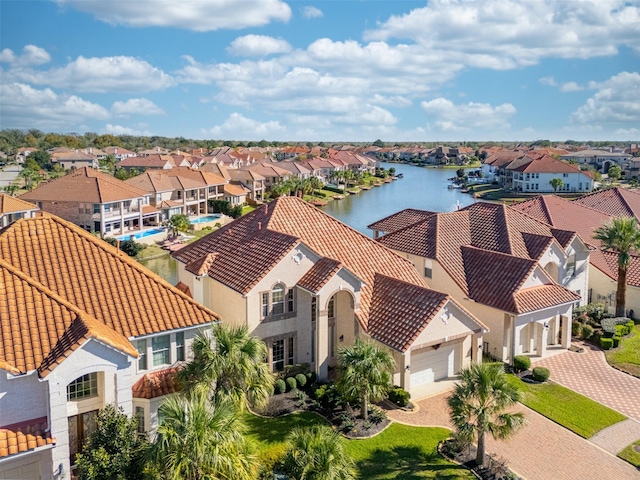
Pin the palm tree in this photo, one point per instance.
(556, 183)
(232, 365)
(621, 236)
(316, 184)
(11, 189)
(478, 402)
(199, 439)
(365, 372)
(317, 453)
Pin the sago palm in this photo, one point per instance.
(317, 453)
(365, 372)
(478, 403)
(622, 237)
(200, 440)
(231, 364)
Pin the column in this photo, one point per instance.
(476, 348)
(405, 373)
(566, 331)
(322, 345)
(541, 339)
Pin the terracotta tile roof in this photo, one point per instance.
(399, 220)
(189, 178)
(9, 204)
(400, 311)
(617, 202)
(43, 328)
(215, 168)
(150, 161)
(92, 277)
(201, 265)
(268, 169)
(543, 296)
(319, 274)
(294, 167)
(246, 175)
(156, 384)
(21, 438)
(151, 181)
(546, 164)
(536, 244)
(633, 271)
(75, 156)
(184, 288)
(251, 245)
(117, 151)
(84, 185)
(233, 189)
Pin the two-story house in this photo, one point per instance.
(307, 284)
(12, 209)
(517, 275)
(89, 327)
(535, 176)
(96, 202)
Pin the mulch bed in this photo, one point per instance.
(495, 468)
(286, 403)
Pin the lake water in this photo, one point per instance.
(421, 188)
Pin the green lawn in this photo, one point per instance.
(630, 455)
(576, 412)
(400, 452)
(627, 356)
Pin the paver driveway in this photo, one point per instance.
(542, 450)
(589, 373)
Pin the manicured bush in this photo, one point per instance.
(621, 330)
(616, 340)
(311, 377)
(279, 386)
(301, 379)
(606, 343)
(399, 396)
(541, 374)
(521, 363)
(575, 328)
(609, 325)
(291, 383)
(630, 324)
(586, 332)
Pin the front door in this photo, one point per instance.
(80, 427)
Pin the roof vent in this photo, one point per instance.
(259, 225)
(266, 209)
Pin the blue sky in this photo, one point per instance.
(324, 70)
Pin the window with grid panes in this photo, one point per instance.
(180, 346)
(277, 299)
(142, 350)
(265, 304)
(161, 350)
(83, 387)
(277, 355)
(290, 301)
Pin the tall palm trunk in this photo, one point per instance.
(481, 448)
(365, 408)
(621, 292)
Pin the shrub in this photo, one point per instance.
(575, 328)
(301, 379)
(609, 325)
(269, 460)
(586, 332)
(279, 386)
(621, 330)
(606, 343)
(616, 341)
(594, 311)
(521, 363)
(541, 374)
(595, 338)
(291, 383)
(630, 324)
(399, 396)
(377, 415)
(311, 377)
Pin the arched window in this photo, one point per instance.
(277, 299)
(83, 387)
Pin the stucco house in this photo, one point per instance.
(306, 284)
(84, 326)
(535, 175)
(12, 209)
(579, 217)
(515, 274)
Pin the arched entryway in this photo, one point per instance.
(341, 325)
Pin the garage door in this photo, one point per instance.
(431, 365)
(30, 471)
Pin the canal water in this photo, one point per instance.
(421, 188)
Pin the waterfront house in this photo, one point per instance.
(599, 159)
(306, 284)
(581, 216)
(271, 172)
(12, 209)
(250, 179)
(515, 274)
(89, 327)
(534, 175)
(96, 202)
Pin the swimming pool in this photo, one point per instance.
(138, 235)
(208, 218)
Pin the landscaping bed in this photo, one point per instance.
(576, 412)
(494, 468)
(632, 454)
(626, 356)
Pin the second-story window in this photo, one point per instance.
(265, 304)
(161, 350)
(290, 301)
(277, 299)
(331, 308)
(142, 350)
(180, 346)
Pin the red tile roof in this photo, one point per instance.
(547, 164)
(252, 245)
(319, 274)
(156, 384)
(617, 202)
(150, 161)
(9, 204)
(84, 185)
(61, 285)
(24, 437)
(399, 220)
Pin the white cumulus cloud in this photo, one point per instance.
(120, 130)
(136, 106)
(444, 115)
(616, 101)
(312, 12)
(32, 55)
(200, 16)
(258, 46)
(240, 127)
(26, 107)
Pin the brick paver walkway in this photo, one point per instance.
(615, 438)
(589, 373)
(542, 450)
